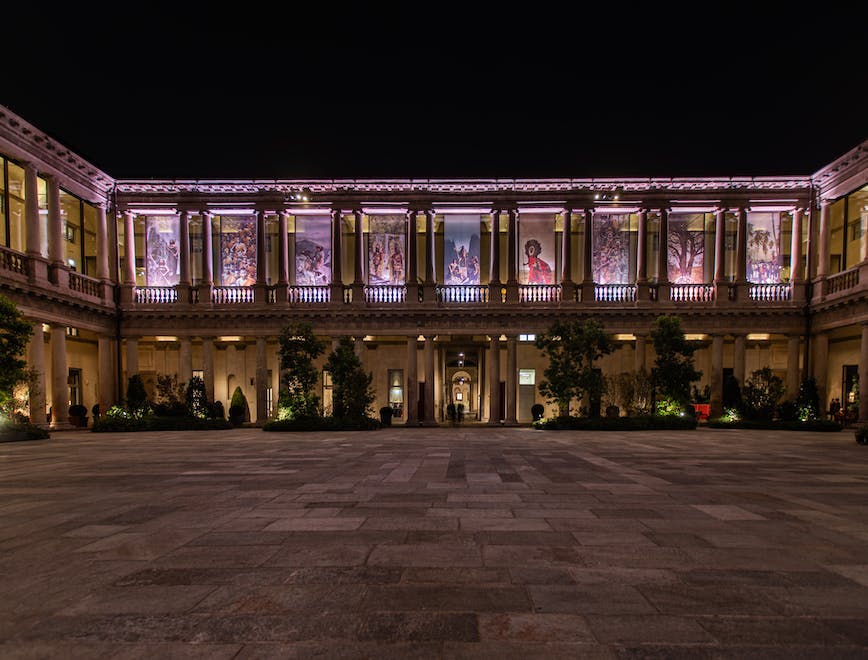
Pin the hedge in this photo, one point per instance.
(108, 424)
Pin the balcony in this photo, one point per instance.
(781, 292)
(462, 293)
(691, 293)
(387, 294)
(84, 284)
(309, 295)
(615, 293)
(841, 282)
(12, 261)
(231, 295)
(156, 295)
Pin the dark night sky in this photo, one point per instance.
(162, 92)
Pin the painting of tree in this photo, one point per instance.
(686, 245)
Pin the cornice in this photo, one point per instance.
(844, 174)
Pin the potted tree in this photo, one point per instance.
(78, 415)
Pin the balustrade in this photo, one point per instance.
(534, 293)
(309, 294)
(615, 292)
(770, 292)
(386, 294)
(84, 284)
(12, 261)
(691, 293)
(152, 295)
(842, 281)
(462, 293)
(231, 295)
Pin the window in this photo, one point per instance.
(396, 392)
(269, 395)
(74, 382)
(527, 337)
(527, 376)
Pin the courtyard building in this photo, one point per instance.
(443, 284)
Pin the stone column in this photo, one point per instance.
(567, 249)
(741, 256)
(260, 289)
(37, 363)
(59, 378)
(796, 261)
(820, 366)
(207, 283)
(863, 376)
(512, 257)
(283, 257)
(494, 403)
(511, 379)
(33, 233)
(132, 359)
(429, 381)
(411, 397)
(793, 379)
(358, 272)
(208, 367)
(587, 250)
(429, 291)
(185, 283)
(721, 286)
(716, 375)
(102, 252)
(494, 272)
(129, 274)
(823, 239)
(412, 269)
(58, 269)
(261, 382)
(639, 355)
(337, 285)
(185, 359)
(642, 292)
(663, 258)
(106, 392)
(738, 349)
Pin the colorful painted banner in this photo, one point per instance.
(611, 248)
(461, 254)
(238, 250)
(764, 248)
(537, 245)
(162, 247)
(313, 254)
(686, 243)
(386, 249)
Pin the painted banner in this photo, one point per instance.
(313, 254)
(386, 250)
(238, 250)
(461, 249)
(686, 243)
(764, 248)
(611, 248)
(162, 247)
(537, 245)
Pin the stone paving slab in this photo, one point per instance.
(434, 543)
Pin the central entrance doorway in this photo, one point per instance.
(461, 379)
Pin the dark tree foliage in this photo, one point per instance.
(170, 396)
(14, 337)
(572, 347)
(674, 371)
(808, 401)
(761, 394)
(298, 350)
(137, 396)
(352, 394)
(196, 399)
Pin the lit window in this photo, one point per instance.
(527, 337)
(527, 376)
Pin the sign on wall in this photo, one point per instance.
(461, 252)
(313, 254)
(537, 249)
(386, 249)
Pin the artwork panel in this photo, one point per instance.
(686, 248)
(461, 253)
(238, 250)
(610, 244)
(162, 250)
(387, 237)
(313, 254)
(537, 246)
(764, 259)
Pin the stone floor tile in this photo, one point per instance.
(425, 554)
(589, 599)
(652, 628)
(523, 627)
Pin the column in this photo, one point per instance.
(412, 269)
(716, 375)
(38, 271)
(642, 292)
(663, 258)
(106, 390)
(37, 363)
(186, 359)
(261, 382)
(129, 274)
(411, 397)
(511, 379)
(796, 261)
(863, 376)
(358, 273)
(741, 256)
(823, 240)
(102, 252)
(337, 285)
(494, 272)
(639, 355)
(587, 270)
(721, 286)
(738, 349)
(512, 257)
(58, 270)
(820, 366)
(207, 282)
(184, 281)
(132, 359)
(430, 256)
(793, 379)
(260, 289)
(208, 367)
(59, 378)
(429, 381)
(494, 407)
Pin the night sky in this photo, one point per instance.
(169, 92)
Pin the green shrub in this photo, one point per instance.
(119, 423)
(17, 427)
(775, 425)
(643, 423)
(322, 424)
(862, 434)
(137, 396)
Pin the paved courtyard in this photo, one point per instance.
(443, 543)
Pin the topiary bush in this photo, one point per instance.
(238, 409)
(137, 396)
(862, 434)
